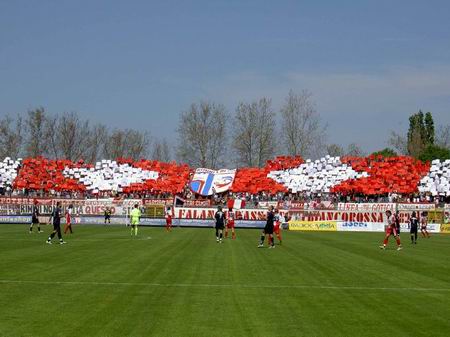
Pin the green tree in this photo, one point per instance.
(429, 129)
(387, 152)
(420, 133)
(434, 152)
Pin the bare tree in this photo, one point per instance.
(126, 144)
(443, 136)
(136, 144)
(68, 136)
(10, 137)
(254, 133)
(36, 142)
(161, 151)
(202, 135)
(335, 150)
(354, 150)
(303, 131)
(398, 142)
(98, 135)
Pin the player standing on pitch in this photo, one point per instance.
(107, 215)
(413, 227)
(68, 226)
(220, 223)
(168, 216)
(135, 216)
(424, 224)
(277, 225)
(35, 217)
(268, 229)
(230, 223)
(391, 229)
(56, 218)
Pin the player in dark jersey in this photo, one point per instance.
(268, 229)
(397, 223)
(107, 214)
(413, 227)
(220, 224)
(35, 217)
(56, 219)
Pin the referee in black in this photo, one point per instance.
(268, 229)
(56, 217)
(413, 227)
(35, 217)
(220, 224)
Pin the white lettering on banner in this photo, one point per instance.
(339, 216)
(415, 207)
(208, 213)
(158, 202)
(266, 204)
(431, 227)
(367, 207)
(360, 227)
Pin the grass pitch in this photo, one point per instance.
(104, 283)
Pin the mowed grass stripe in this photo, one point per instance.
(104, 283)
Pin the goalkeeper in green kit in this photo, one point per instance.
(135, 217)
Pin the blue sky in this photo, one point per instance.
(137, 64)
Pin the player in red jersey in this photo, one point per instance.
(424, 224)
(230, 223)
(68, 226)
(391, 229)
(168, 216)
(277, 225)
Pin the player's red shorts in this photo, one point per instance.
(68, 219)
(391, 230)
(276, 227)
(230, 224)
(169, 221)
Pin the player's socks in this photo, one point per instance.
(385, 242)
(261, 240)
(135, 230)
(233, 236)
(398, 241)
(226, 234)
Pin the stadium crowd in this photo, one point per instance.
(283, 179)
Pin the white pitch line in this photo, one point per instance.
(204, 285)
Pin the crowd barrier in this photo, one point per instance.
(345, 217)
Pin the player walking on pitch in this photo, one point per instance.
(268, 229)
(424, 224)
(391, 228)
(230, 224)
(35, 217)
(68, 226)
(56, 219)
(277, 225)
(168, 217)
(135, 216)
(220, 224)
(413, 227)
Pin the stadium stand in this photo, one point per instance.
(286, 176)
